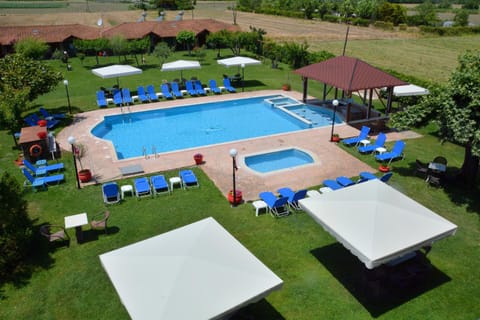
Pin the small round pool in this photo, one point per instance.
(278, 160)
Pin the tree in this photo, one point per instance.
(119, 46)
(426, 14)
(455, 108)
(162, 51)
(22, 81)
(32, 48)
(138, 46)
(217, 40)
(461, 18)
(15, 227)
(187, 39)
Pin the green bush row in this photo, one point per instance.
(31, 5)
(450, 31)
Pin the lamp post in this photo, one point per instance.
(335, 104)
(71, 140)
(243, 77)
(65, 83)
(233, 154)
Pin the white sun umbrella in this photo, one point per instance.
(239, 61)
(180, 65)
(116, 71)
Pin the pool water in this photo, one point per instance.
(170, 129)
(278, 160)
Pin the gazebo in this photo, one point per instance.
(349, 75)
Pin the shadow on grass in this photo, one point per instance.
(260, 310)
(383, 288)
(39, 256)
(458, 193)
(94, 235)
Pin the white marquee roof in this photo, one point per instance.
(376, 222)
(180, 65)
(409, 90)
(116, 71)
(199, 271)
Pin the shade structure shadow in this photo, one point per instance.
(259, 310)
(383, 288)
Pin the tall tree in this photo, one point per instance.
(455, 107)
(22, 81)
(187, 39)
(32, 48)
(15, 227)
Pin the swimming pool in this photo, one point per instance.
(163, 130)
(278, 160)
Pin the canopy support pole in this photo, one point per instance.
(305, 89)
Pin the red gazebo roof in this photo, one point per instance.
(349, 74)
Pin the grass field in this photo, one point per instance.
(322, 279)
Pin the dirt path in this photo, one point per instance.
(279, 28)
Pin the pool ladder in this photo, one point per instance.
(154, 152)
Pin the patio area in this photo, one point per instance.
(330, 161)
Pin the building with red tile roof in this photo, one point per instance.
(62, 36)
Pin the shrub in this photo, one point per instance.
(15, 227)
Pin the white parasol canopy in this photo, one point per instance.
(238, 61)
(376, 222)
(116, 71)
(409, 90)
(180, 65)
(199, 271)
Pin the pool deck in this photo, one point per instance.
(330, 160)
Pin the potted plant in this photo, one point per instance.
(198, 157)
(286, 87)
(335, 137)
(238, 196)
(84, 175)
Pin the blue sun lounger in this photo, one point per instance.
(379, 143)
(50, 123)
(189, 180)
(176, 90)
(228, 85)
(190, 90)
(47, 116)
(43, 181)
(277, 207)
(152, 95)
(213, 86)
(396, 153)
(165, 91)
(110, 192)
(101, 101)
(332, 184)
(356, 140)
(293, 196)
(43, 170)
(199, 88)
(159, 184)
(344, 181)
(142, 96)
(142, 187)
(117, 97)
(127, 98)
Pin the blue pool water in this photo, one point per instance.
(163, 130)
(277, 160)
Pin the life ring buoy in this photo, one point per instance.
(35, 150)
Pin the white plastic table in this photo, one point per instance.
(126, 189)
(365, 142)
(380, 150)
(259, 204)
(175, 181)
(77, 221)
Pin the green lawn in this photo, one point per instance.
(320, 276)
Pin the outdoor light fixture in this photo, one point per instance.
(233, 154)
(71, 140)
(243, 76)
(65, 83)
(335, 104)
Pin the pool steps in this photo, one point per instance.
(283, 102)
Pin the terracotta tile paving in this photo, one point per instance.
(330, 161)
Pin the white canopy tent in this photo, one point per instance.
(199, 271)
(238, 61)
(376, 222)
(409, 90)
(116, 71)
(180, 65)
